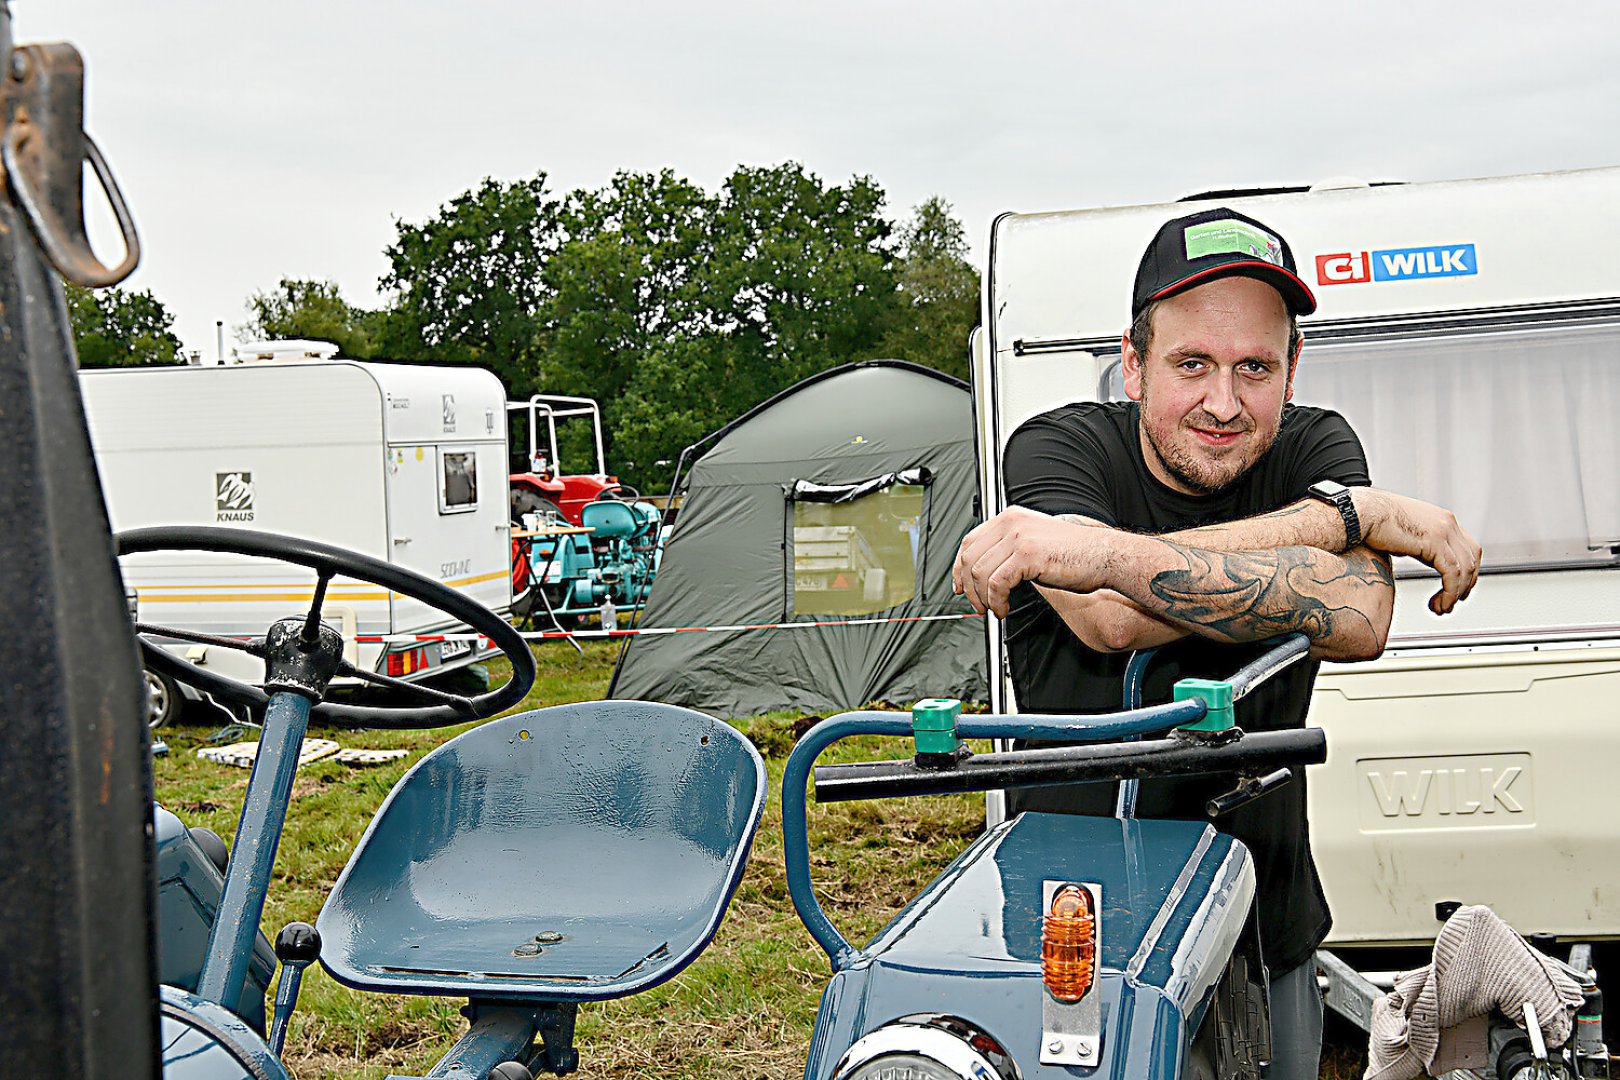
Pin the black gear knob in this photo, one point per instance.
(298, 943)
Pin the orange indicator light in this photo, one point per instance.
(1069, 944)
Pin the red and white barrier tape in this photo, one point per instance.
(653, 631)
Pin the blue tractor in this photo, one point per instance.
(1059, 946)
(604, 566)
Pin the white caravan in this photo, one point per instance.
(1470, 332)
(403, 462)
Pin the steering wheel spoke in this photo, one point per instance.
(428, 693)
(251, 646)
(329, 562)
(312, 621)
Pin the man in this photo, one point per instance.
(1205, 514)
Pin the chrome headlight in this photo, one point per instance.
(926, 1046)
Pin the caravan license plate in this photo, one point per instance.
(449, 650)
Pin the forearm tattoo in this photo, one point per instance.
(1250, 595)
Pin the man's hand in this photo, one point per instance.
(1019, 545)
(1399, 525)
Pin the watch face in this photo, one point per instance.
(1328, 489)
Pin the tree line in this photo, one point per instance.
(677, 308)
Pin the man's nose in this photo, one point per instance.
(1220, 397)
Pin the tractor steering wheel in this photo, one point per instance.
(327, 562)
(617, 492)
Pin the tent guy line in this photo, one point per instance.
(649, 631)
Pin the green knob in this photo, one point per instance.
(933, 725)
(1217, 699)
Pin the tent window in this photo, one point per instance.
(856, 548)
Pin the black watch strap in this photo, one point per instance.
(1337, 495)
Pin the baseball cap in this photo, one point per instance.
(1212, 244)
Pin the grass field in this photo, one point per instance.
(743, 1009)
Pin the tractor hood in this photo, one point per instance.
(1176, 899)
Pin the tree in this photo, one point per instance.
(468, 284)
(621, 286)
(675, 308)
(794, 277)
(939, 292)
(802, 276)
(114, 328)
(311, 310)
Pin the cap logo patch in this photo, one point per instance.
(1231, 237)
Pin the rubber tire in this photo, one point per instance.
(163, 699)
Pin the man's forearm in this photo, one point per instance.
(1390, 523)
(1107, 622)
(1342, 603)
(1307, 523)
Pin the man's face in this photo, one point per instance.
(1213, 384)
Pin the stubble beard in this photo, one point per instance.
(1202, 475)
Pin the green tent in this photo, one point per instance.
(839, 502)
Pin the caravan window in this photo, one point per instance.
(1516, 430)
(856, 548)
(458, 481)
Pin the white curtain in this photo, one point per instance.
(1515, 431)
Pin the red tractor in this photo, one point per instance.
(544, 488)
(555, 497)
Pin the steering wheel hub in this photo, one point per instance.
(299, 661)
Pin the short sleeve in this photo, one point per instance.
(1328, 449)
(1057, 464)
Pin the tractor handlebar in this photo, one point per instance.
(1177, 755)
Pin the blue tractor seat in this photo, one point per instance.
(617, 520)
(580, 852)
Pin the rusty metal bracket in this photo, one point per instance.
(44, 151)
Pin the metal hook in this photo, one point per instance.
(44, 152)
(75, 262)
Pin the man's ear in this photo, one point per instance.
(1130, 366)
(1293, 366)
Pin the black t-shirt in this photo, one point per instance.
(1087, 459)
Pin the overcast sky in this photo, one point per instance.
(268, 140)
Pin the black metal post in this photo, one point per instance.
(77, 969)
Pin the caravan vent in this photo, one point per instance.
(282, 352)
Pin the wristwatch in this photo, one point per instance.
(1337, 495)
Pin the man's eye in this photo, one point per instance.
(1254, 367)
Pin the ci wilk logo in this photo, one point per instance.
(449, 412)
(233, 496)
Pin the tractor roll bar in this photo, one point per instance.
(1174, 756)
(558, 406)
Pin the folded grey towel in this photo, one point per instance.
(1435, 1019)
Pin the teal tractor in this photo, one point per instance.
(602, 567)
